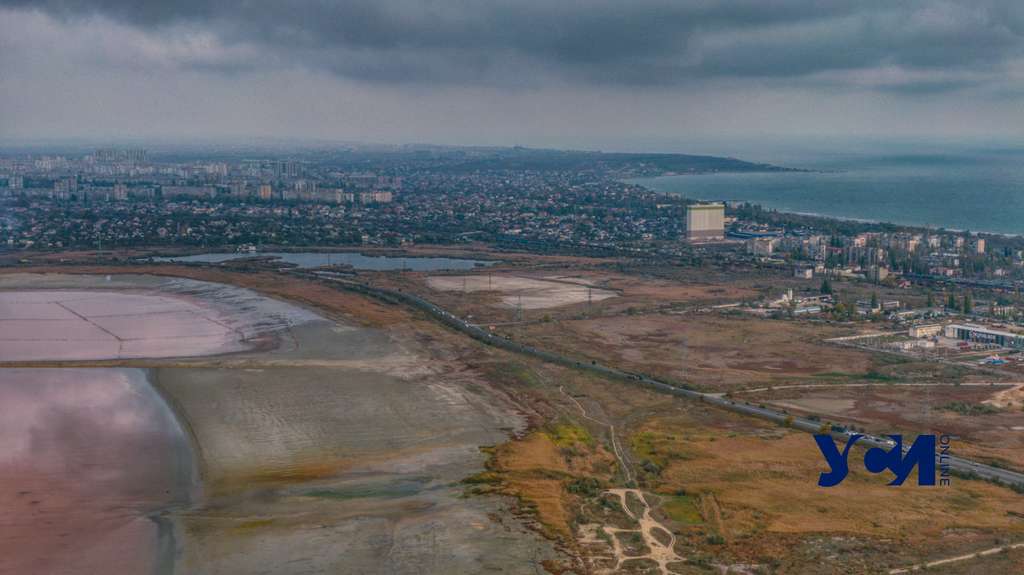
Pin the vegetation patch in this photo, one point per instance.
(964, 408)
(655, 450)
(682, 509)
(570, 434)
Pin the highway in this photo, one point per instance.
(958, 464)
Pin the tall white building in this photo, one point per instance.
(705, 222)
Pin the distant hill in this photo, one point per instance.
(435, 158)
(480, 159)
(627, 164)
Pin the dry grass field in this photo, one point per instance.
(983, 426)
(710, 350)
(530, 293)
(738, 491)
(496, 294)
(755, 487)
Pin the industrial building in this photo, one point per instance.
(981, 334)
(926, 330)
(705, 222)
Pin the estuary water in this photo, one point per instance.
(93, 458)
(962, 189)
(88, 460)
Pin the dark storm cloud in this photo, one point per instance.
(597, 42)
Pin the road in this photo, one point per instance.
(958, 464)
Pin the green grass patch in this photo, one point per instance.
(656, 448)
(682, 509)
(570, 434)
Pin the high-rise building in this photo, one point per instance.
(266, 192)
(705, 222)
(133, 155)
(375, 197)
(136, 155)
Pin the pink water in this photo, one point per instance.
(86, 456)
(74, 325)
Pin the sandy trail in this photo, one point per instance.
(897, 385)
(660, 553)
(1008, 397)
(958, 558)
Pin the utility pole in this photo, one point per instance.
(682, 355)
(928, 407)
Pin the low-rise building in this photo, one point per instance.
(925, 330)
(980, 334)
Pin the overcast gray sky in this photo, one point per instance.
(532, 72)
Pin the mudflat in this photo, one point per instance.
(90, 459)
(321, 446)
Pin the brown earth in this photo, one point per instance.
(710, 350)
(991, 434)
(764, 482)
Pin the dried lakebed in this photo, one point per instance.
(316, 447)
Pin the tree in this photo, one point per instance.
(874, 301)
(931, 299)
(826, 287)
(968, 305)
(951, 302)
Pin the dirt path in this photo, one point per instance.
(895, 385)
(660, 553)
(1008, 397)
(958, 558)
(626, 469)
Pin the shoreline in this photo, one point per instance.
(170, 531)
(817, 215)
(170, 535)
